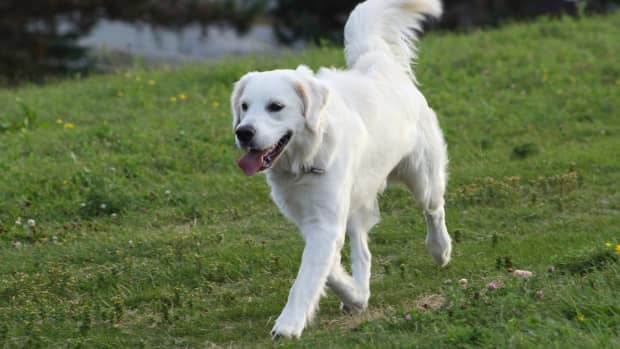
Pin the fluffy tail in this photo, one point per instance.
(388, 26)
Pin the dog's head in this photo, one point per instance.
(272, 110)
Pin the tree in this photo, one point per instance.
(315, 20)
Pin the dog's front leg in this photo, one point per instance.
(323, 245)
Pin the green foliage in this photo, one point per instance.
(125, 222)
(26, 121)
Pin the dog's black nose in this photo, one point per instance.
(245, 133)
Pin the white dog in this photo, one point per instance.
(328, 144)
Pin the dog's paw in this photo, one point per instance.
(440, 250)
(288, 326)
(353, 309)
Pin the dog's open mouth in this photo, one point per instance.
(259, 160)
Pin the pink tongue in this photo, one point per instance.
(251, 162)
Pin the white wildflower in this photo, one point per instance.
(523, 273)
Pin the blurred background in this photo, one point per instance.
(51, 38)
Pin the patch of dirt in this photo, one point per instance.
(429, 302)
(351, 321)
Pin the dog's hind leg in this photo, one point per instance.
(355, 291)
(424, 173)
(344, 286)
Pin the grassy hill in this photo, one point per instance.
(125, 222)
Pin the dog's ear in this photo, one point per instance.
(235, 103)
(314, 96)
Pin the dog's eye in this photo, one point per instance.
(244, 106)
(274, 107)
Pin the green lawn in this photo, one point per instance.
(146, 234)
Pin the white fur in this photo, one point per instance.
(362, 127)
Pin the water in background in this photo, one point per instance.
(192, 43)
(62, 37)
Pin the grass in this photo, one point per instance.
(125, 222)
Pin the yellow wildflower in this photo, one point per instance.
(215, 104)
(59, 121)
(151, 82)
(182, 96)
(618, 249)
(580, 317)
(69, 125)
(173, 99)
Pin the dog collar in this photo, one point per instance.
(314, 170)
